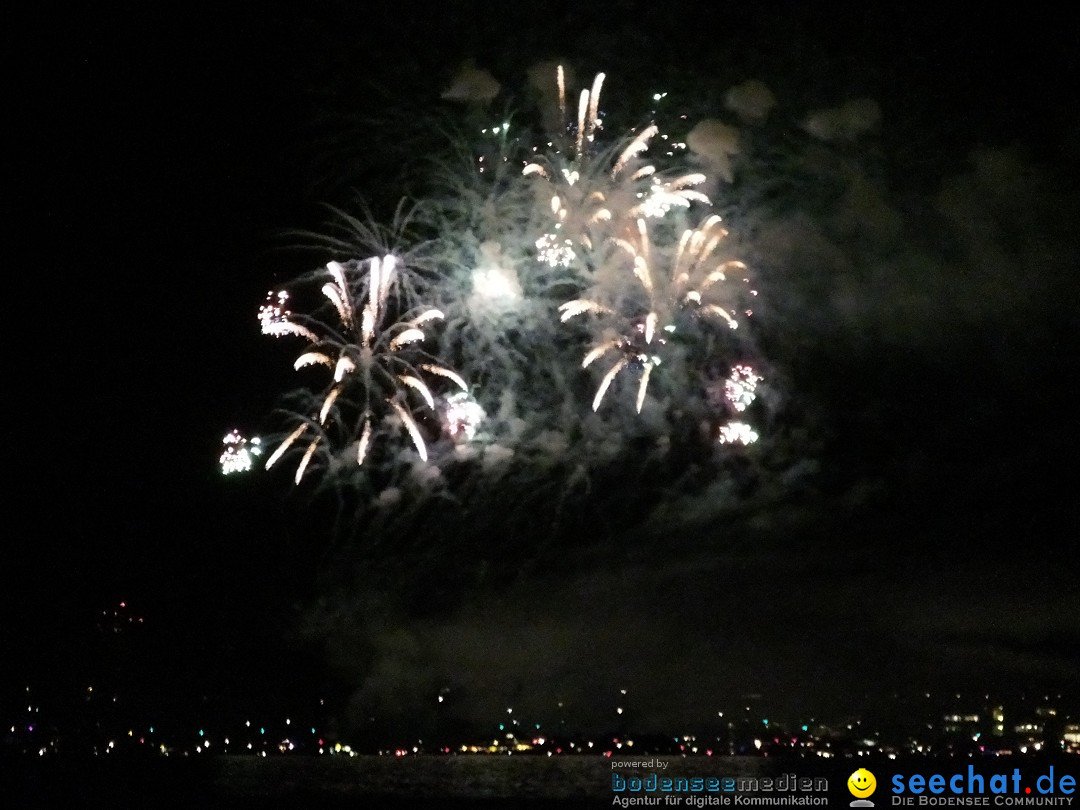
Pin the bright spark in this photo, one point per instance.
(740, 387)
(239, 453)
(737, 433)
(463, 415)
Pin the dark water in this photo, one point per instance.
(295, 782)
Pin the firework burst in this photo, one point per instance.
(739, 393)
(239, 452)
(592, 191)
(639, 312)
(740, 388)
(372, 346)
(463, 416)
(502, 233)
(736, 433)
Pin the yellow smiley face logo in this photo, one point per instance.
(861, 783)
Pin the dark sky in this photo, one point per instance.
(159, 155)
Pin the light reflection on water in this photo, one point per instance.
(465, 777)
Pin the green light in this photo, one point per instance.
(804, 728)
(202, 733)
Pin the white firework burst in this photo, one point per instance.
(638, 308)
(740, 388)
(737, 433)
(239, 452)
(372, 347)
(277, 321)
(591, 190)
(463, 416)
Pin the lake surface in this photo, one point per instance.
(339, 781)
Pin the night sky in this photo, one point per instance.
(923, 535)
